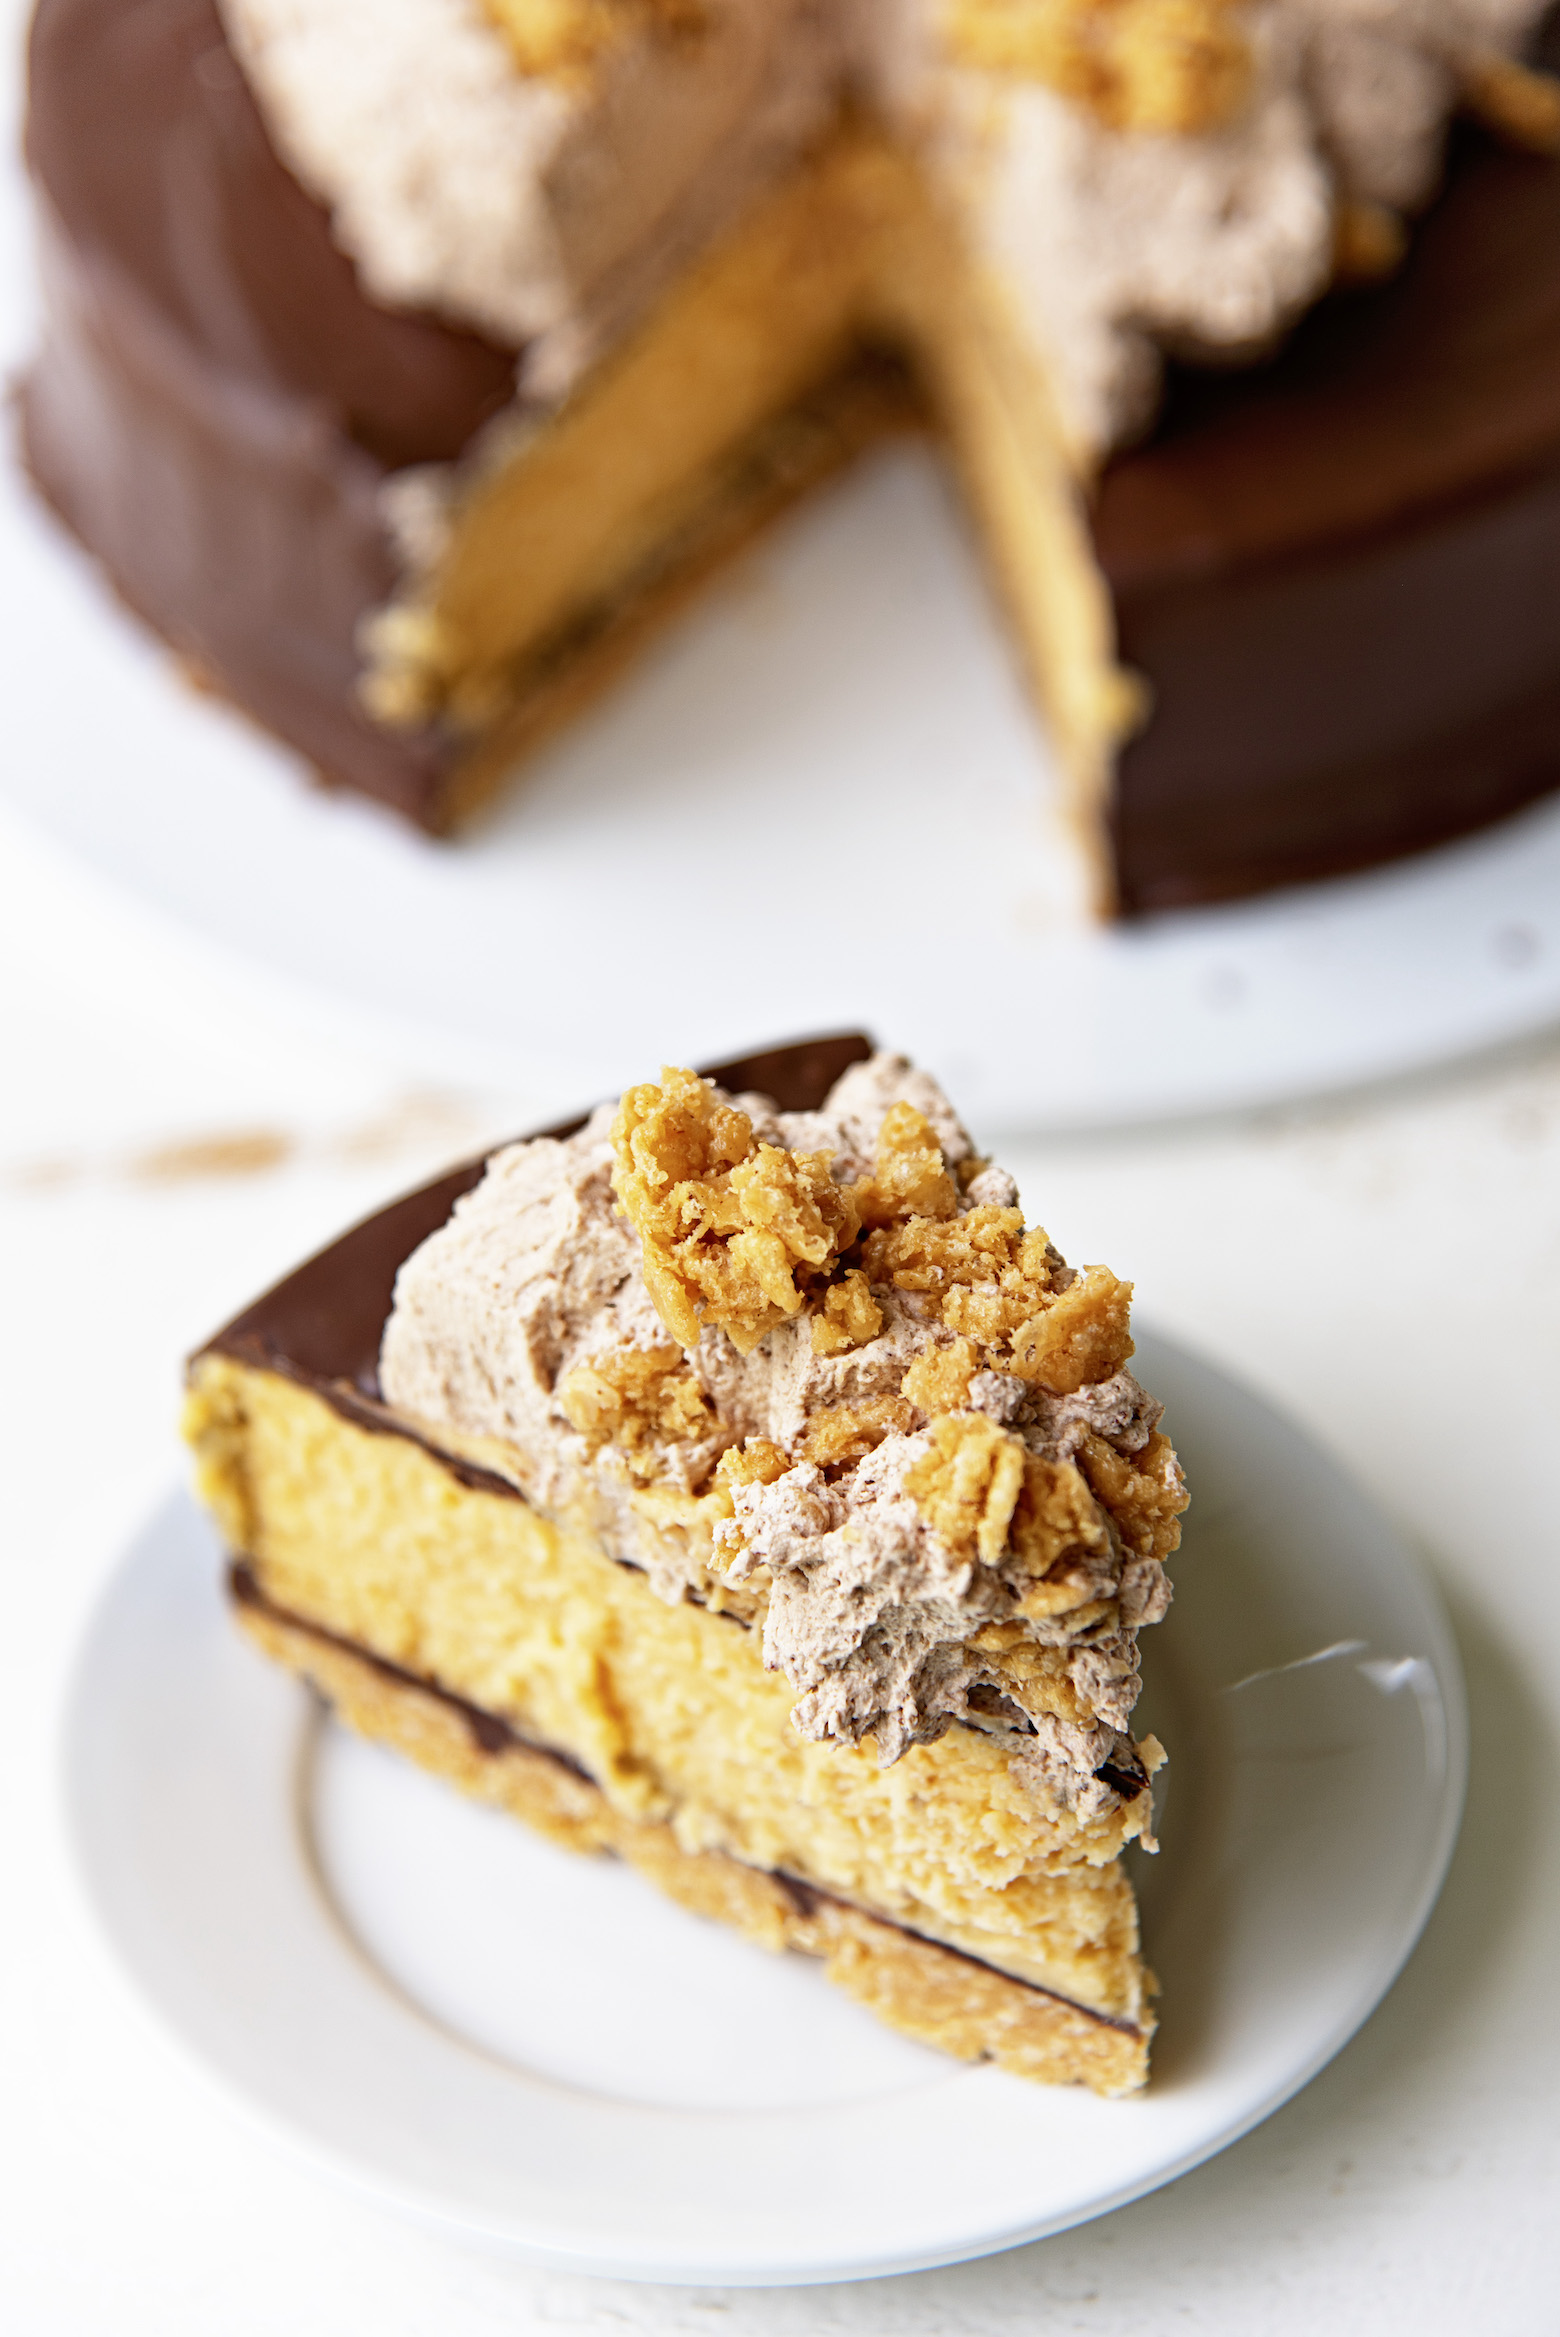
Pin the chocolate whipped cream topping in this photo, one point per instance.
(806, 1489)
(1116, 243)
(546, 208)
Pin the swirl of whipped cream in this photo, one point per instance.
(547, 210)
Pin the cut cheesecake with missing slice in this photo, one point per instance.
(733, 1482)
(407, 363)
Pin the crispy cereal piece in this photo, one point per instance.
(636, 1398)
(848, 1317)
(848, 1432)
(1369, 240)
(1177, 66)
(1083, 1335)
(909, 1177)
(1513, 100)
(998, 1288)
(1145, 1492)
(1037, 1678)
(968, 1485)
(939, 1380)
(733, 1233)
(1056, 1516)
(932, 1254)
(692, 1521)
(562, 40)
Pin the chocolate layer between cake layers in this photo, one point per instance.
(1337, 572)
(494, 1737)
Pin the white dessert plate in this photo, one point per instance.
(821, 802)
(534, 2051)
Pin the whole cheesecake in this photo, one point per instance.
(1289, 616)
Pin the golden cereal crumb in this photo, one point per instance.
(1145, 1492)
(939, 1380)
(1513, 100)
(848, 1432)
(689, 1521)
(758, 1462)
(635, 1398)
(1037, 1678)
(245, 1154)
(733, 1232)
(985, 1246)
(997, 1282)
(1057, 1530)
(848, 1317)
(909, 1176)
(1180, 67)
(1056, 1515)
(1083, 1335)
(564, 39)
(998, 1288)
(1176, 66)
(967, 1486)
(407, 659)
(1369, 241)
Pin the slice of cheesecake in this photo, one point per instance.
(731, 1481)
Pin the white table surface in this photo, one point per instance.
(1387, 1266)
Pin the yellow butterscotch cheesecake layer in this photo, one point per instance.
(935, 1995)
(415, 1560)
(745, 385)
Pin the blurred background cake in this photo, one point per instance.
(406, 360)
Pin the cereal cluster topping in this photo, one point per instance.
(738, 1236)
(735, 1233)
(848, 1316)
(963, 1509)
(1008, 1291)
(813, 1369)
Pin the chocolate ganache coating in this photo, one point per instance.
(1337, 571)
(1340, 572)
(323, 1324)
(216, 406)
